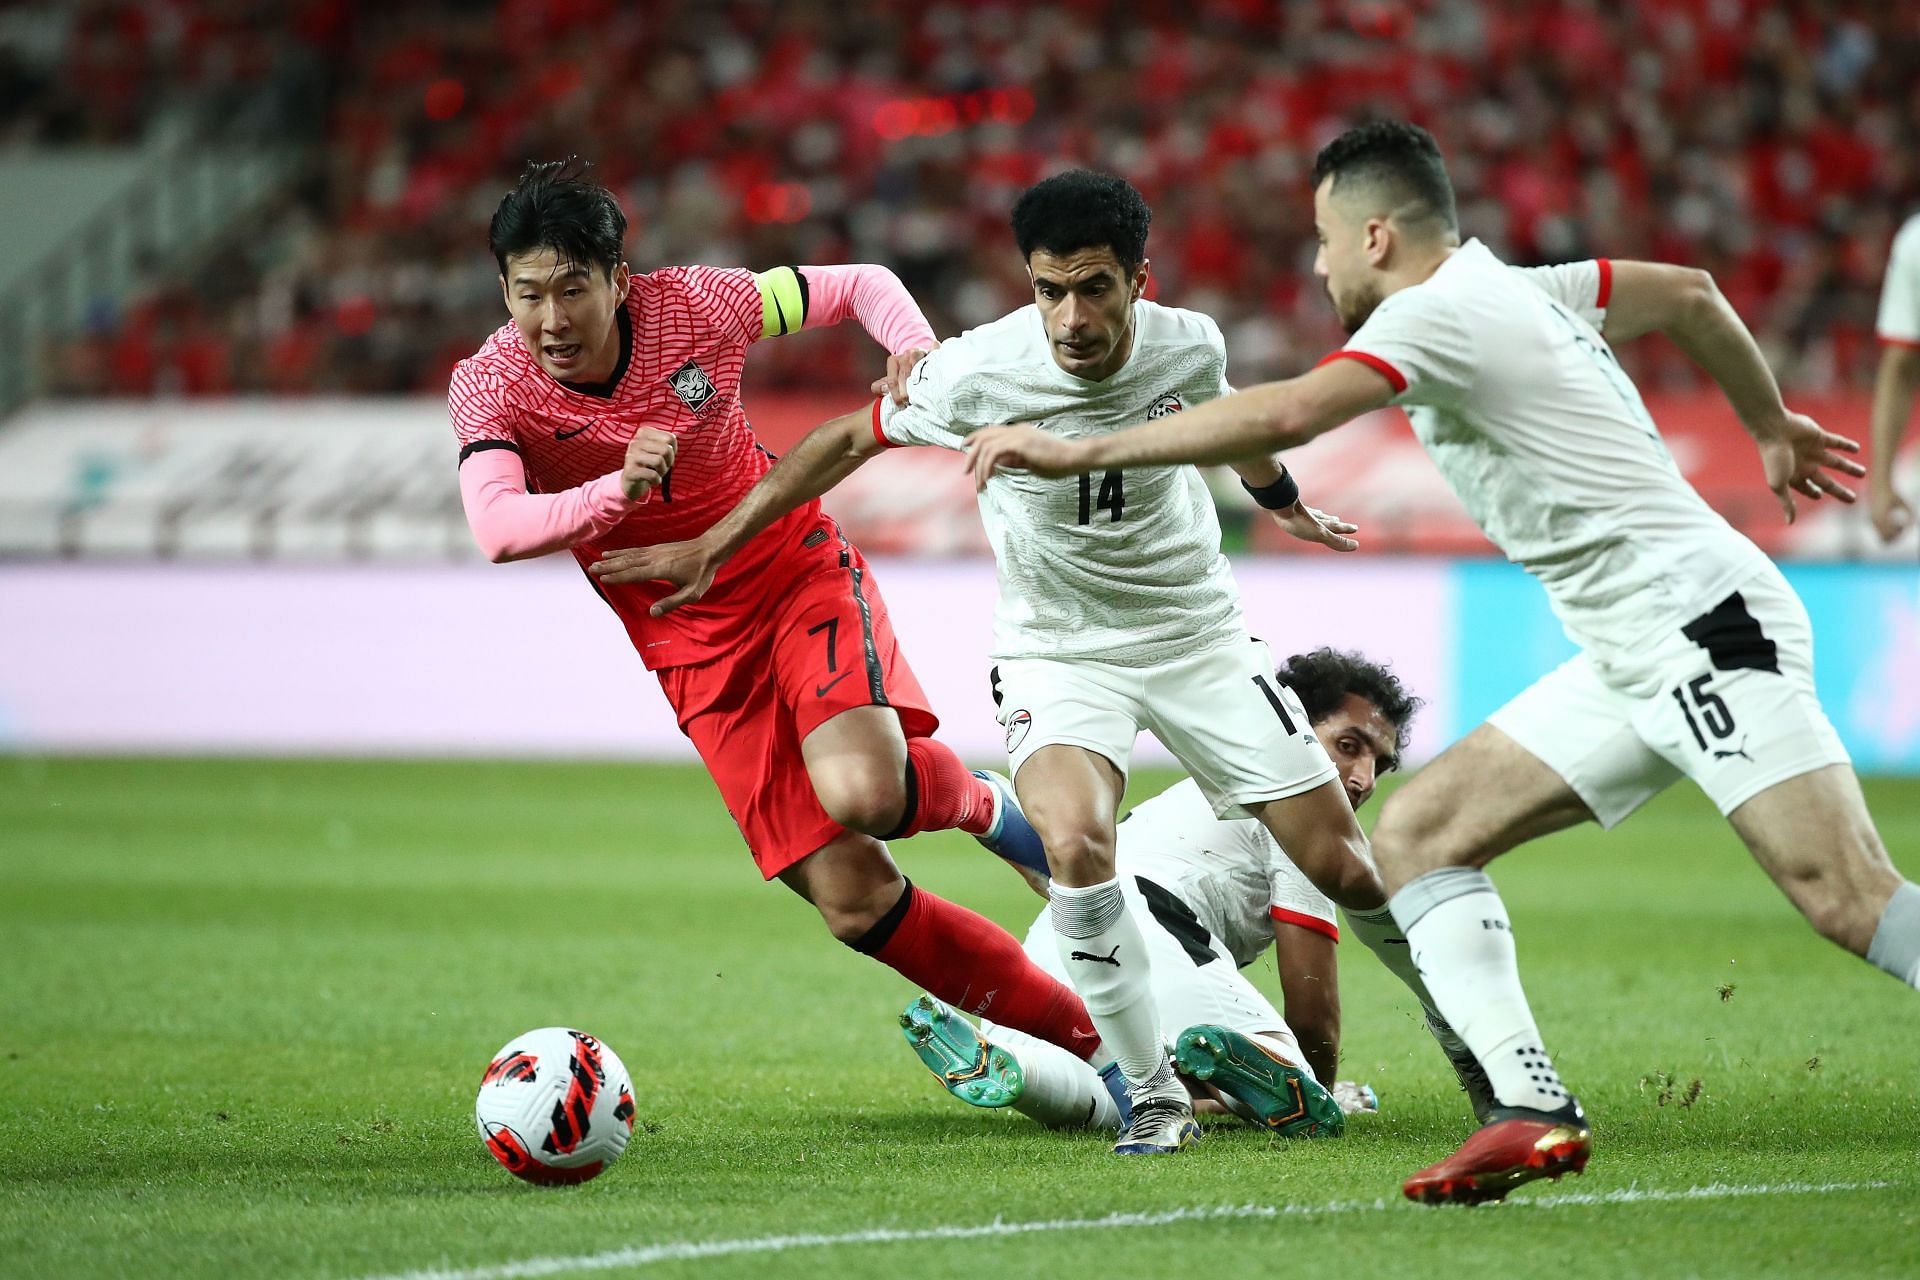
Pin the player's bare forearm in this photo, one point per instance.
(1894, 387)
(824, 457)
(1258, 472)
(1797, 455)
(1310, 993)
(1242, 429)
(1685, 304)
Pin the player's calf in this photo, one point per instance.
(1814, 837)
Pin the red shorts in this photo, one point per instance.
(826, 647)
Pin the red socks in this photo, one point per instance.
(942, 793)
(977, 967)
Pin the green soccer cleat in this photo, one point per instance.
(973, 1070)
(1282, 1097)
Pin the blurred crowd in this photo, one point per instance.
(1776, 142)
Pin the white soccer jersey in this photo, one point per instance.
(1520, 403)
(1899, 319)
(1231, 872)
(1119, 567)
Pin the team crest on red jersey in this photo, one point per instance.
(1169, 403)
(691, 383)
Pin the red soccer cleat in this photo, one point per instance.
(1500, 1157)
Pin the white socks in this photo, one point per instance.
(1462, 944)
(1383, 936)
(1062, 1091)
(1106, 959)
(1896, 942)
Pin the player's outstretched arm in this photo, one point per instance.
(1310, 994)
(1242, 430)
(1684, 303)
(1255, 423)
(824, 457)
(510, 523)
(872, 295)
(1894, 389)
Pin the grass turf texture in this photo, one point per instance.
(245, 1005)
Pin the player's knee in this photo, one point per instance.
(1078, 854)
(852, 919)
(859, 797)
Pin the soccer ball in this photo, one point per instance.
(555, 1107)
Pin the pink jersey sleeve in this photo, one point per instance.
(511, 524)
(872, 295)
(726, 297)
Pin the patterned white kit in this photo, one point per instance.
(1728, 701)
(1242, 734)
(1205, 892)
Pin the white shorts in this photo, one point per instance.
(1194, 979)
(1728, 701)
(1239, 732)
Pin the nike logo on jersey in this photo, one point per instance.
(820, 690)
(568, 435)
(1105, 959)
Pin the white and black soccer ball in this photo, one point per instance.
(555, 1106)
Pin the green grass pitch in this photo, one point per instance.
(244, 1007)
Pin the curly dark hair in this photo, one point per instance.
(1082, 209)
(556, 206)
(1325, 676)
(1401, 161)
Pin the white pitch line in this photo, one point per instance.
(685, 1250)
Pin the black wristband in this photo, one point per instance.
(1280, 494)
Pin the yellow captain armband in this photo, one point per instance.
(783, 301)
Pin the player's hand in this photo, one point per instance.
(688, 566)
(899, 369)
(1308, 525)
(1798, 453)
(649, 458)
(1024, 448)
(1892, 515)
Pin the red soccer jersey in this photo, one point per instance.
(686, 332)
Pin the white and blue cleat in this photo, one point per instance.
(1159, 1126)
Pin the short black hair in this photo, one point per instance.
(1323, 678)
(556, 206)
(1402, 160)
(1082, 209)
